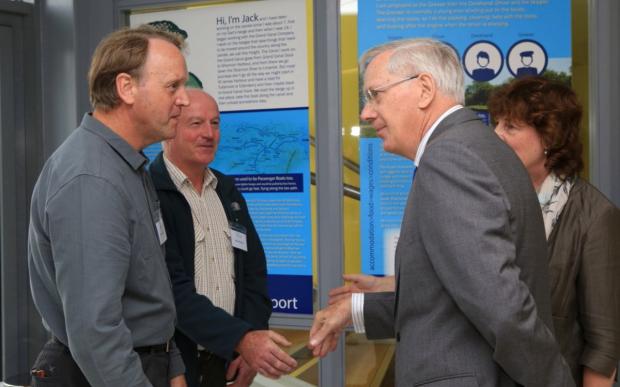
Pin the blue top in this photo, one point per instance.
(97, 268)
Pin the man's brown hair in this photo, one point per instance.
(122, 51)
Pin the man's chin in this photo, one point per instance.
(169, 132)
(386, 146)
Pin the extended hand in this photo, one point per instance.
(361, 283)
(244, 373)
(178, 381)
(328, 323)
(260, 349)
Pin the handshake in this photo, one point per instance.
(329, 322)
(261, 350)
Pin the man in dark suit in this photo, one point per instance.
(471, 302)
(215, 259)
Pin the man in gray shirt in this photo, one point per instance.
(95, 250)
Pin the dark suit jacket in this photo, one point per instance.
(584, 257)
(472, 300)
(199, 321)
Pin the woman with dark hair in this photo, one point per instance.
(540, 119)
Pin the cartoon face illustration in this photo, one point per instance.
(527, 57)
(482, 59)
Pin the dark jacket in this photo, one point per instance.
(584, 262)
(199, 321)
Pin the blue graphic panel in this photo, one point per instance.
(263, 142)
(288, 182)
(384, 183)
(289, 293)
(501, 24)
(495, 41)
(267, 153)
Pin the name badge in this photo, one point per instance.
(238, 236)
(161, 230)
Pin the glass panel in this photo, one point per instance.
(255, 59)
(371, 363)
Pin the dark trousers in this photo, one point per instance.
(212, 370)
(55, 367)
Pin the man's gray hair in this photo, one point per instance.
(414, 56)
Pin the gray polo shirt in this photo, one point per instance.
(97, 268)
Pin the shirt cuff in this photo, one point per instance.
(175, 366)
(357, 312)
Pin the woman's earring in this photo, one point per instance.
(546, 151)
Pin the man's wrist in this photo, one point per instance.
(357, 312)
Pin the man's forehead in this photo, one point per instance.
(200, 111)
(201, 106)
(159, 48)
(166, 67)
(163, 52)
(377, 67)
(200, 96)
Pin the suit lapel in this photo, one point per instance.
(458, 117)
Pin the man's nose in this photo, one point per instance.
(368, 113)
(182, 97)
(207, 130)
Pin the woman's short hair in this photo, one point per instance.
(553, 110)
(122, 51)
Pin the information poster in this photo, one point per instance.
(252, 58)
(496, 41)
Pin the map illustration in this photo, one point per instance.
(259, 143)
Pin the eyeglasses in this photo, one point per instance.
(370, 95)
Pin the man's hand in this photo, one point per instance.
(240, 371)
(592, 378)
(328, 323)
(260, 349)
(178, 381)
(361, 283)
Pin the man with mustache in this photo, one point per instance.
(215, 258)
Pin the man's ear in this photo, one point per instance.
(125, 88)
(428, 88)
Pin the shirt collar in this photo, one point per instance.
(180, 179)
(427, 135)
(133, 157)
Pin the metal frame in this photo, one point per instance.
(604, 82)
(329, 169)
